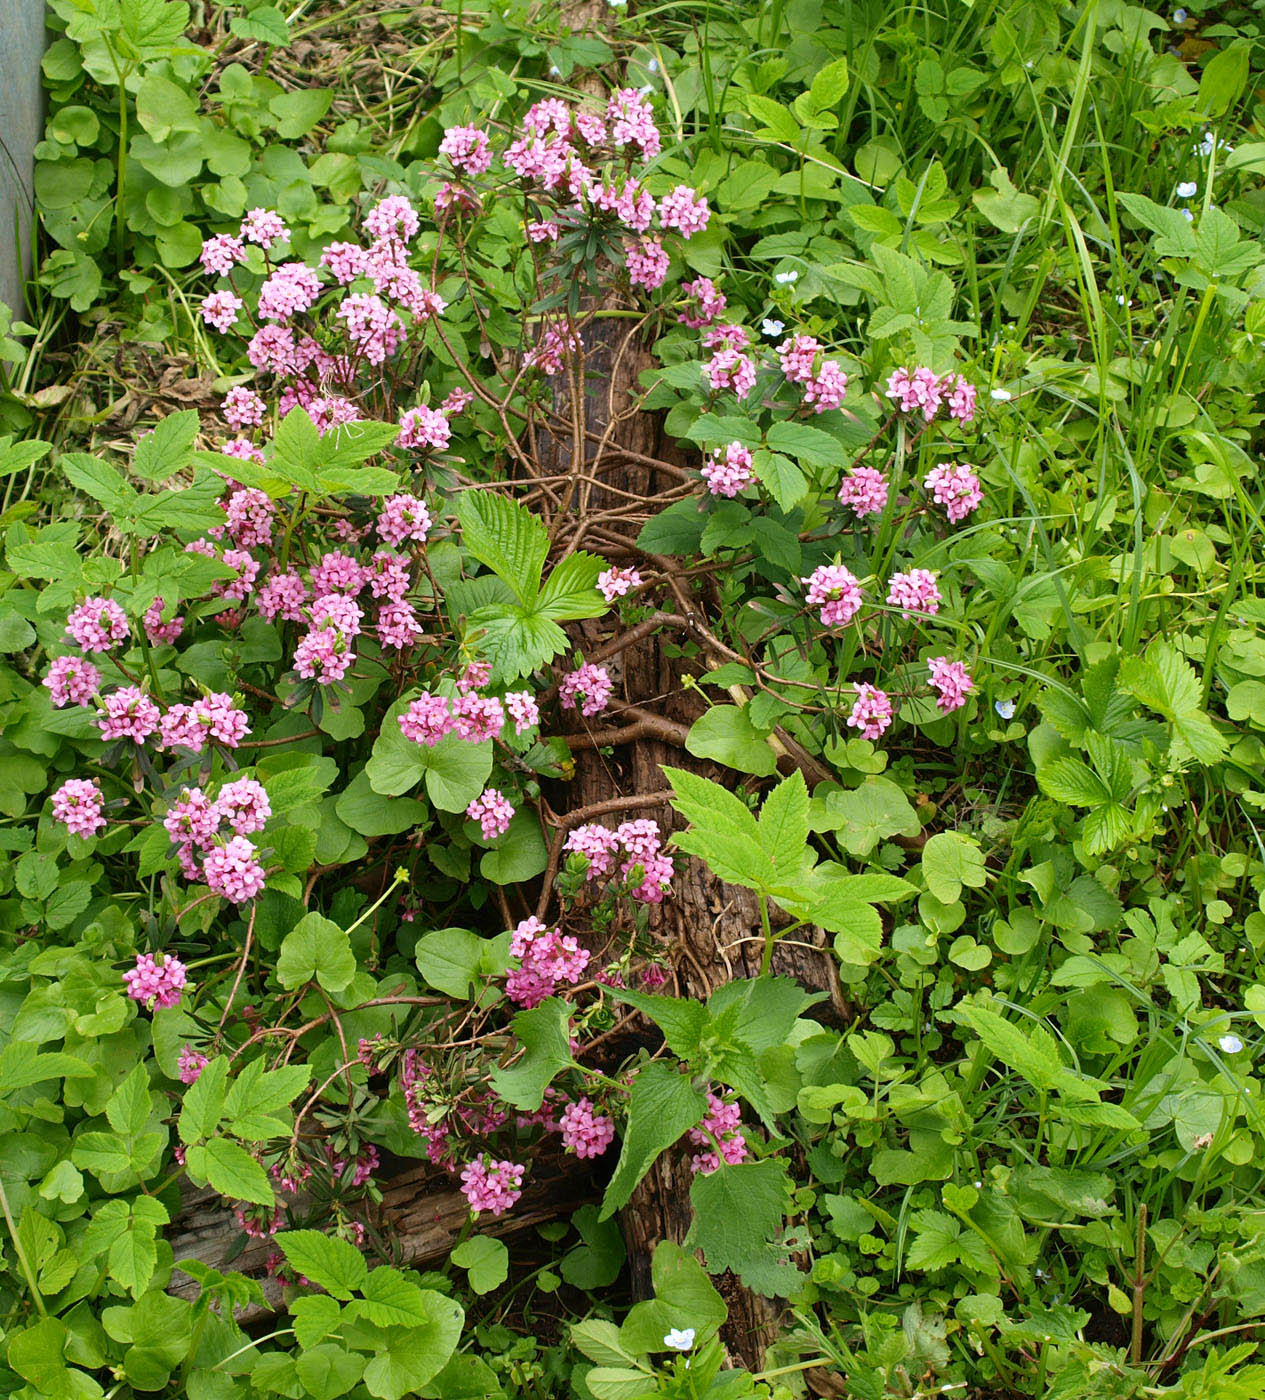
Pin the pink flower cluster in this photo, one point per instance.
(704, 304)
(493, 813)
(836, 592)
(865, 490)
(727, 475)
(617, 583)
(922, 390)
(644, 867)
(77, 805)
(190, 1064)
(547, 959)
(230, 867)
(587, 686)
(97, 625)
(584, 1132)
(872, 711)
(473, 718)
(956, 487)
(720, 1128)
(492, 1186)
(950, 681)
(914, 593)
(156, 985)
(72, 681)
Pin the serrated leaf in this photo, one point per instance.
(331, 1263)
(662, 1106)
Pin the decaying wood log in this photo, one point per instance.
(421, 1218)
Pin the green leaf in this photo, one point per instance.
(203, 1103)
(949, 861)
(725, 733)
(683, 1023)
(331, 1263)
(297, 112)
(265, 23)
(812, 446)
(545, 1035)
(506, 538)
(163, 107)
(485, 1259)
(869, 814)
(663, 1105)
(129, 1107)
(1033, 1054)
(784, 480)
(683, 1297)
(739, 1219)
(391, 1300)
(455, 771)
(518, 855)
(370, 814)
(570, 592)
(1224, 78)
(596, 1263)
(168, 448)
(328, 1371)
(1166, 682)
(454, 960)
(829, 85)
(231, 1170)
(316, 949)
(410, 1358)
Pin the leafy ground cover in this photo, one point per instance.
(632, 705)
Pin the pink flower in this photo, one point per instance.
(264, 227)
(323, 656)
(730, 369)
(872, 712)
(128, 713)
(556, 346)
(641, 838)
(221, 254)
(961, 398)
(244, 805)
(190, 1064)
(155, 984)
(647, 263)
(914, 592)
(797, 355)
(597, 844)
(389, 576)
(522, 709)
(729, 336)
(403, 518)
(920, 391)
(250, 513)
(345, 262)
(243, 408)
(273, 348)
(233, 871)
(292, 288)
(398, 626)
(423, 427)
(476, 675)
(656, 877)
(284, 594)
(951, 682)
(338, 573)
(372, 327)
(865, 490)
(828, 389)
(468, 148)
(836, 591)
(590, 685)
(71, 681)
(457, 402)
(719, 1128)
(478, 717)
(493, 813)
(247, 569)
(193, 819)
(339, 611)
(427, 719)
(220, 718)
(632, 124)
(77, 805)
(219, 310)
(393, 217)
(704, 305)
(492, 1186)
(546, 958)
(158, 631)
(730, 474)
(542, 231)
(616, 583)
(584, 1132)
(682, 209)
(97, 624)
(955, 487)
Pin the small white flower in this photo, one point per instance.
(772, 328)
(617, 4)
(681, 1339)
(1005, 708)
(555, 71)
(979, 1185)
(1000, 395)
(1179, 16)
(653, 65)
(1231, 1044)
(1188, 216)
(1188, 189)
(1120, 301)
(783, 278)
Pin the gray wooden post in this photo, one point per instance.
(21, 126)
